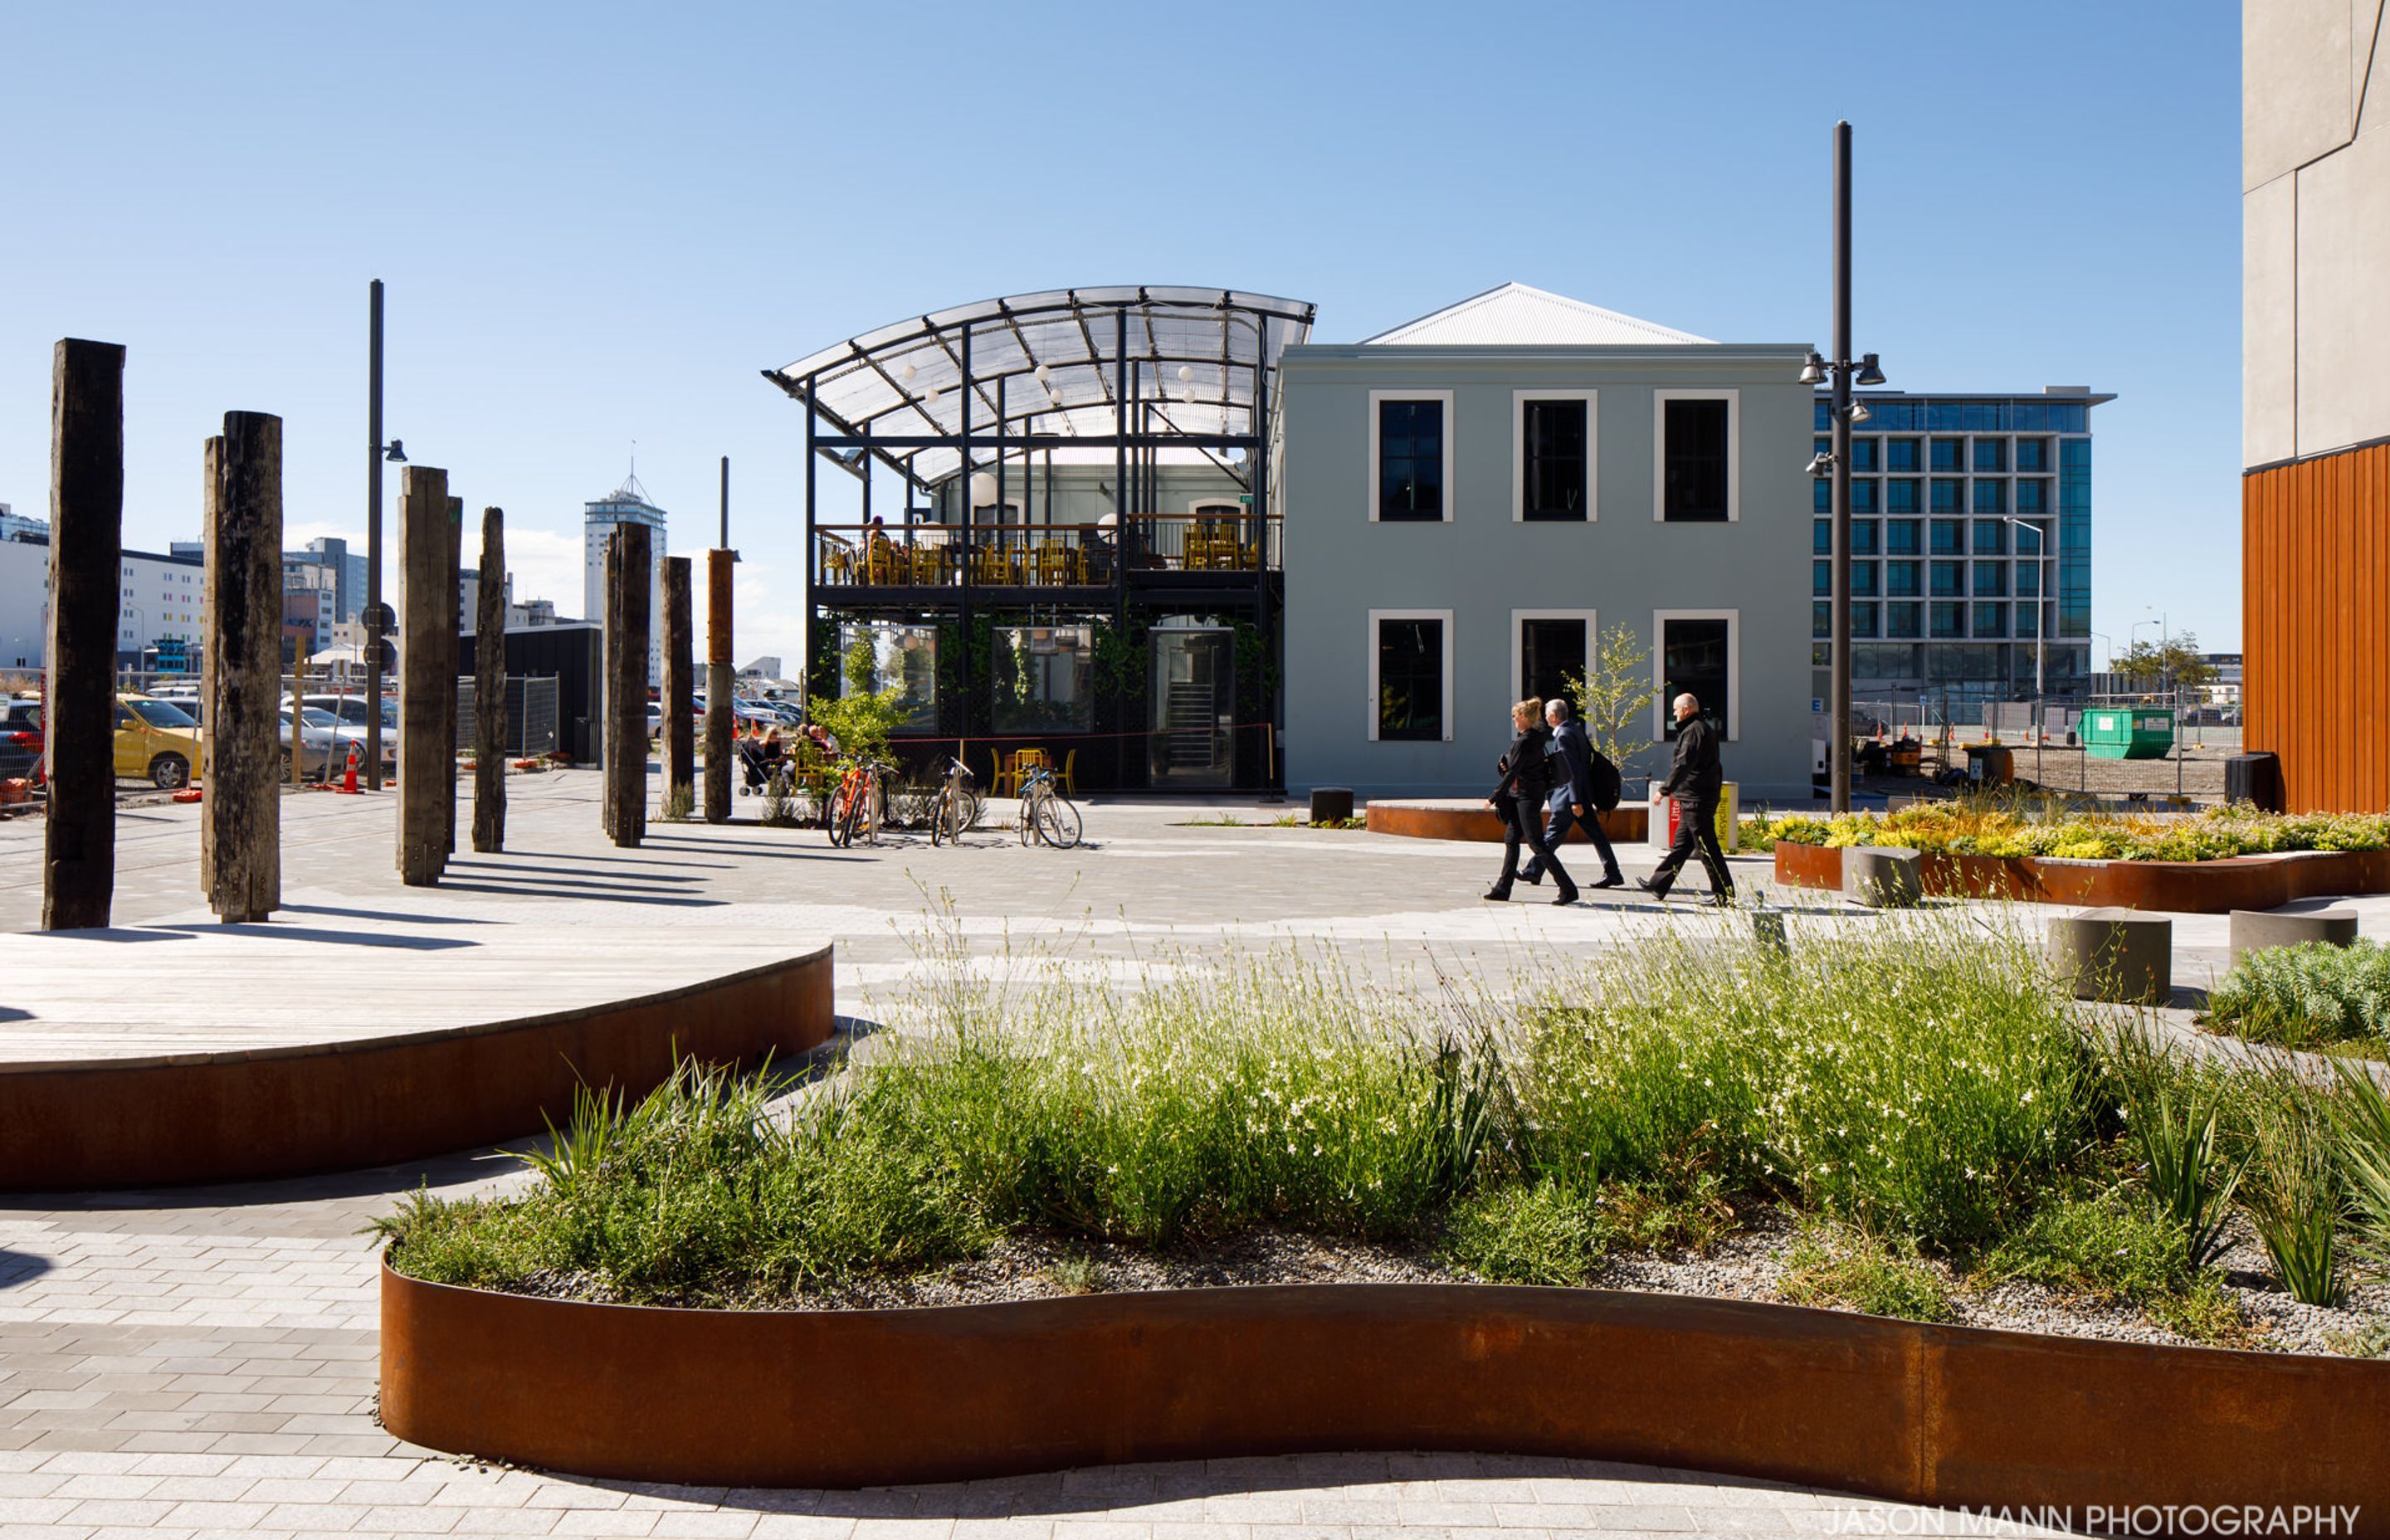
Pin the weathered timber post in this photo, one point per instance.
(240, 808)
(490, 690)
(629, 580)
(452, 656)
(424, 781)
(680, 732)
(78, 714)
(718, 753)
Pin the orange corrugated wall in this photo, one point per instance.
(2315, 576)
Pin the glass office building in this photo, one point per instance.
(1970, 546)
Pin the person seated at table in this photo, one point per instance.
(823, 739)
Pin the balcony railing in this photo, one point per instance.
(1043, 556)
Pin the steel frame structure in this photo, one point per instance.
(987, 386)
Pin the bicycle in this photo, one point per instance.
(956, 807)
(1046, 816)
(859, 804)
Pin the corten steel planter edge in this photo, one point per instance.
(1938, 1415)
(1469, 821)
(341, 1107)
(2179, 887)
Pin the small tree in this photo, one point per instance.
(1614, 695)
(863, 720)
(2174, 663)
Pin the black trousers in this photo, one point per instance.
(1696, 831)
(1556, 830)
(1522, 820)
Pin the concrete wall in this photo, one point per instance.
(2315, 154)
(1624, 563)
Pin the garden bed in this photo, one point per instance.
(2182, 887)
(1469, 818)
(1005, 1242)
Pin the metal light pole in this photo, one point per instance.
(2042, 596)
(1839, 627)
(373, 541)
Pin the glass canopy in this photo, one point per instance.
(1055, 365)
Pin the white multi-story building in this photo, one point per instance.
(627, 505)
(17, 526)
(161, 609)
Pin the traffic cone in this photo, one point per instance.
(349, 776)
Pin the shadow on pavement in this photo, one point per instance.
(335, 938)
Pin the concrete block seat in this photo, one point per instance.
(1884, 876)
(2254, 930)
(2119, 956)
(1331, 803)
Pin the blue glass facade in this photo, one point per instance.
(1984, 460)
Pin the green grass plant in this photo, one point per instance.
(1832, 1264)
(1544, 1234)
(1998, 825)
(2295, 1191)
(2363, 1118)
(2309, 995)
(2172, 1121)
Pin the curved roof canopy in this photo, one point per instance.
(1049, 363)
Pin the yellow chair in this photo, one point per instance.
(1068, 774)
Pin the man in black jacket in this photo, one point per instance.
(1693, 779)
(1574, 798)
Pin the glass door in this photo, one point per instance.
(1193, 695)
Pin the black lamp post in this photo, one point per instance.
(376, 453)
(1847, 374)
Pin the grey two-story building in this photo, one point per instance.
(1470, 499)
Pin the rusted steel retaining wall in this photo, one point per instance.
(2182, 887)
(1923, 1414)
(1469, 820)
(336, 1107)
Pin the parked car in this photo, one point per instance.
(323, 741)
(20, 739)
(351, 712)
(156, 741)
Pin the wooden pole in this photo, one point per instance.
(452, 656)
(423, 778)
(79, 712)
(679, 691)
(718, 753)
(629, 581)
(240, 810)
(490, 689)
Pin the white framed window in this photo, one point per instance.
(1548, 646)
(1411, 456)
(1411, 676)
(1696, 456)
(1555, 449)
(1700, 651)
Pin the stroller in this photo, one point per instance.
(756, 768)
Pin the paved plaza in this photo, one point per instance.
(202, 1361)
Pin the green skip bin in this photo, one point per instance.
(2112, 734)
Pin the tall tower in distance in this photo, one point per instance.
(626, 504)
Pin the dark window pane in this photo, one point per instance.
(1901, 454)
(1863, 536)
(1991, 537)
(1410, 679)
(1863, 496)
(1991, 497)
(1821, 536)
(1991, 619)
(1949, 454)
(1821, 623)
(1821, 577)
(2032, 496)
(1991, 579)
(1947, 537)
(1900, 495)
(1991, 454)
(1821, 494)
(1901, 537)
(1694, 661)
(1410, 460)
(1949, 578)
(1694, 461)
(1553, 459)
(1900, 579)
(1949, 620)
(1863, 620)
(1551, 652)
(2033, 455)
(1863, 579)
(1902, 619)
(1863, 454)
(1946, 496)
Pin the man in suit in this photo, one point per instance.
(1694, 779)
(1573, 799)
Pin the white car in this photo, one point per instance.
(324, 739)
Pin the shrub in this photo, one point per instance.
(2011, 827)
(2307, 995)
(2171, 1119)
(2105, 1246)
(2294, 1190)
(1913, 1076)
(1831, 1265)
(1544, 1234)
(2362, 1115)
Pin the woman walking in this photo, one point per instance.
(1519, 798)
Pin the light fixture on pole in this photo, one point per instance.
(1859, 413)
(2040, 597)
(982, 489)
(1846, 373)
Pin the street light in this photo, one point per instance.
(1846, 373)
(2040, 597)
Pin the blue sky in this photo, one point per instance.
(597, 221)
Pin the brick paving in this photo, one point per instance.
(203, 1362)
